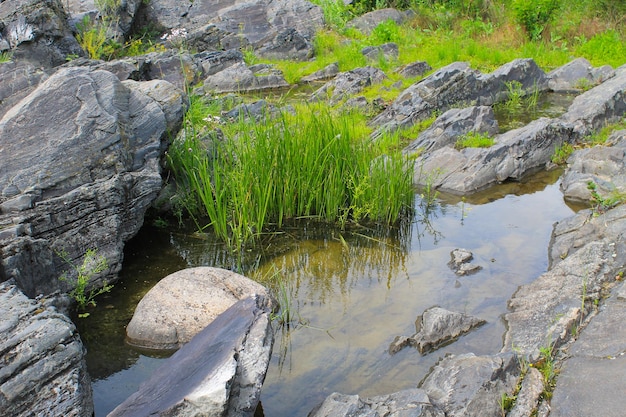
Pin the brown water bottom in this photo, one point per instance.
(351, 294)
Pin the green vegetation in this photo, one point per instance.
(82, 293)
(313, 163)
(561, 153)
(600, 204)
(5, 56)
(474, 140)
(547, 366)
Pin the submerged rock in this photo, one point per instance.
(43, 368)
(435, 328)
(220, 372)
(411, 402)
(185, 302)
(460, 262)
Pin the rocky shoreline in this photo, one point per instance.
(81, 151)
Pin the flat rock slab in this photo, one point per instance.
(591, 382)
(183, 303)
(220, 372)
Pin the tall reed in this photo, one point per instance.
(310, 164)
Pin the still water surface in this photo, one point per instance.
(351, 294)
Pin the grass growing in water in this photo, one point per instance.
(311, 164)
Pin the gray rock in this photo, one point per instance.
(545, 312)
(121, 19)
(43, 367)
(387, 51)
(577, 74)
(367, 23)
(407, 403)
(448, 127)
(80, 165)
(437, 327)
(214, 62)
(279, 29)
(239, 78)
(37, 31)
(573, 233)
(468, 385)
(180, 69)
(414, 69)
(256, 110)
(348, 83)
(183, 303)
(17, 80)
(603, 165)
(218, 373)
(460, 262)
(529, 395)
(328, 72)
(526, 150)
(590, 381)
(457, 85)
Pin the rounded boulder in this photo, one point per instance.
(185, 302)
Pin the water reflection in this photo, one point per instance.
(351, 293)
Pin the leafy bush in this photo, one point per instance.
(387, 31)
(535, 15)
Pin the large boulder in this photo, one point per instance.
(43, 367)
(523, 151)
(79, 166)
(37, 31)
(183, 303)
(17, 80)
(218, 373)
(280, 29)
(457, 85)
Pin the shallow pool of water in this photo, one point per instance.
(351, 294)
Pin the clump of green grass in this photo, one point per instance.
(561, 153)
(474, 140)
(5, 56)
(312, 164)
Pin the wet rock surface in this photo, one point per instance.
(218, 373)
(461, 262)
(182, 304)
(43, 367)
(435, 328)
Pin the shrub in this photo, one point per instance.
(535, 15)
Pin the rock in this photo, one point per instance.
(387, 51)
(414, 69)
(180, 69)
(435, 328)
(602, 165)
(348, 83)
(214, 62)
(545, 312)
(121, 19)
(37, 32)
(218, 373)
(577, 74)
(279, 29)
(369, 21)
(256, 110)
(183, 303)
(457, 85)
(17, 80)
(411, 402)
(529, 395)
(592, 377)
(328, 72)
(520, 152)
(43, 367)
(80, 165)
(468, 385)
(460, 262)
(447, 128)
(239, 78)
